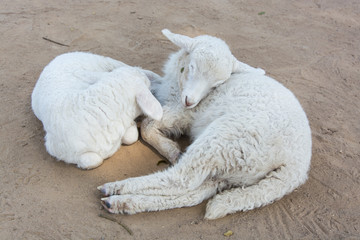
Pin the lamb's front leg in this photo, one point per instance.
(154, 132)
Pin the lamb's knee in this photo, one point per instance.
(151, 134)
(147, 126)
(89, 160)
(131, 135)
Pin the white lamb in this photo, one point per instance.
(251, 138)
(88, 103)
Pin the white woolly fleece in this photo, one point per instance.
(88, 103)
(251, 138)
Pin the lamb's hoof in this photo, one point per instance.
(102, 190)
(106, 204)
(109, 189)
(174, 157)
(121, 204)
(89, 160)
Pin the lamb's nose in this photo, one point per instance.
(188, 103)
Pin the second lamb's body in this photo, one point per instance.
(88, 104)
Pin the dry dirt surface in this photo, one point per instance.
(312, 47)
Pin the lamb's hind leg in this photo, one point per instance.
(194, 167)
(131, 135)
(131, 204)
(187, 175)
(150, 184)
(274, 186)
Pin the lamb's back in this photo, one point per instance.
(251, 101)
(66, 75)
(81, 104)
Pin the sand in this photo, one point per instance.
(312, 47)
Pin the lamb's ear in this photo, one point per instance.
(151, 75)
(149, 104)
(182, 41)
(239, 67)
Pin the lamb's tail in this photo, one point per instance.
(273, 187)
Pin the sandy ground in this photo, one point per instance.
(312, 47)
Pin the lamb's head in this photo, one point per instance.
(138, 85)
(206, 63)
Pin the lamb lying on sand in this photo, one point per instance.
(88, 103)
(251, 138)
